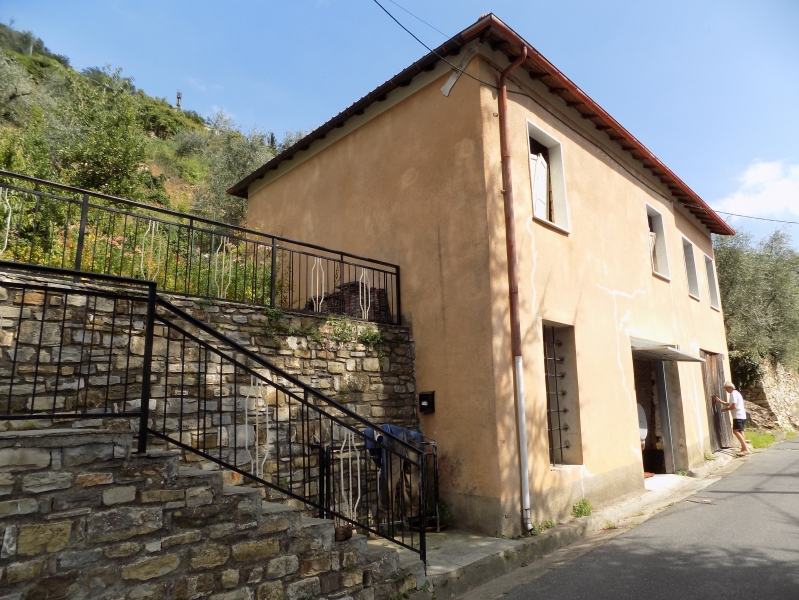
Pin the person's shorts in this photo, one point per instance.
(738, 424)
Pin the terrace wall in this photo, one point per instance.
(69, 351)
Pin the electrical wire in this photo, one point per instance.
(722, 212)
(493, 86)
(461, 71)
(420, 19)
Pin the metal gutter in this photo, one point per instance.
(513, 288)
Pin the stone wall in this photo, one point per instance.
(67, 349)
(378, 382)
(777, 391)
(80, 517)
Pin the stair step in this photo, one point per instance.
(279, 517)
(313, 521)
(189, 477)
(272, 508)
(357, 541)
(383, 561)
(315, 535)
(232, 490)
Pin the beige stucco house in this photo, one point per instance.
(618, 302)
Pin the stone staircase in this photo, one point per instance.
(82, 517)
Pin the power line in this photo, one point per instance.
(420, 19)
(721, 212)
(491, 85)
(409, 32)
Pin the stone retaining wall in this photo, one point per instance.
(69, 350)
(378, 382)
(778, 392)
(82, 518)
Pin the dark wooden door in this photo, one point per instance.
(718, 421)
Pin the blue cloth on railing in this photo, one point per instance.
(414, 438)
(377, 445)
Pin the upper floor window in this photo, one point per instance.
(547, 180)
(690, 268)
(657, 243)
(712, 288)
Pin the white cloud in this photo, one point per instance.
(766, 189)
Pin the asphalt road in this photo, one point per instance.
(737, 538)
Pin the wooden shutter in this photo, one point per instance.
(539, 172)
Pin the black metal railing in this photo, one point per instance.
(225, 403)
(55, 225)
(96, 346)
(70, 349)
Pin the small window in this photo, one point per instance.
(657, 243)
(711, 283)
(563, 414)
(690, 268)
(547, 181)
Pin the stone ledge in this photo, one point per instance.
(62, 438)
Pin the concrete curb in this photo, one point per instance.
(468, 577)
(722, 459)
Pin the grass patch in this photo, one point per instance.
(790, 434)
(709, 456)
(683, 473)
(582, 508)
(610, 525)
(760, 439)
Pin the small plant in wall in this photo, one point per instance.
(370, 336)
(275, 325)
(338, 330)
(582, 508)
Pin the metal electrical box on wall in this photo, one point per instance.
(427, 402)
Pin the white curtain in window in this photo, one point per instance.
(540, 171)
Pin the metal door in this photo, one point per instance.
(718, 421)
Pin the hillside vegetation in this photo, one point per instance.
(94, 129)
(759, 285)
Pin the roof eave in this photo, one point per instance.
(404, 78)
(561, 86)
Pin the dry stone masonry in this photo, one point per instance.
(80, 517)
(777, 391)
(69, 351)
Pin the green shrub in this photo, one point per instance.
(746, 368)
(370, 336)
(583, 508)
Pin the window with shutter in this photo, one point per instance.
(657, 243)
(547, 182)
(712, 289)
(541, 202)
(690, 268)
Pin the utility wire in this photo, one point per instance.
(461, 71)
(721, 212)
(420, 19)
(491, 85)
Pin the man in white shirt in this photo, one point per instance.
(736, 405)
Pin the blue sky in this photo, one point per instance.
(711, 86)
